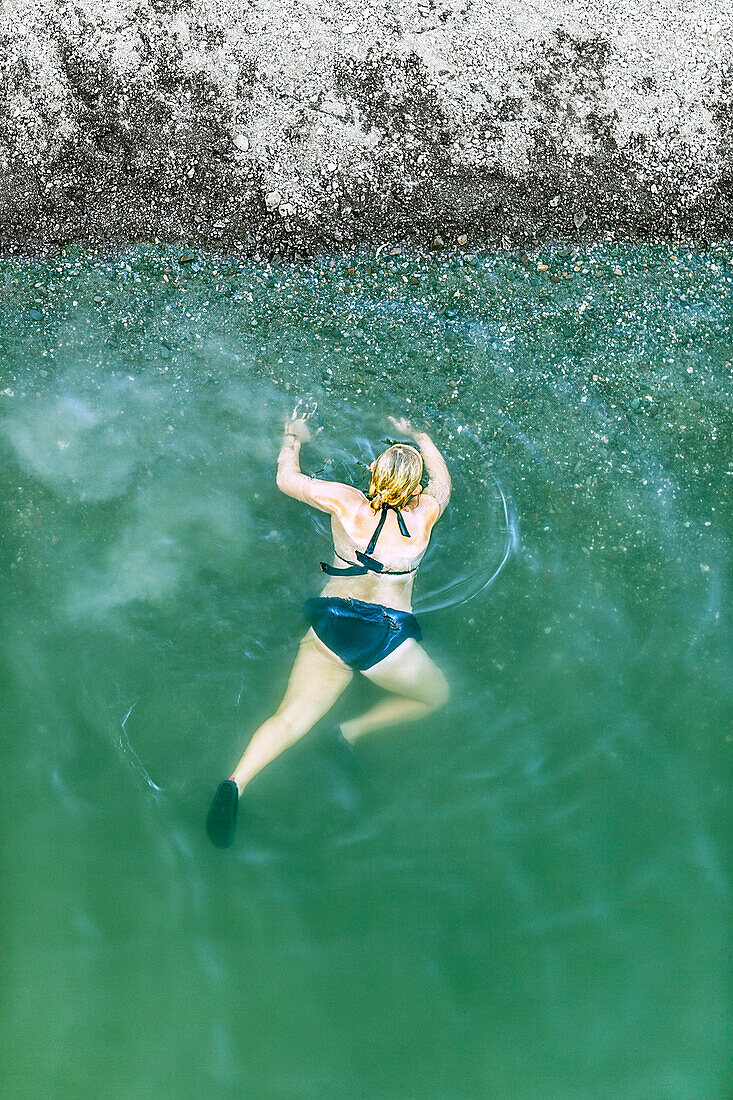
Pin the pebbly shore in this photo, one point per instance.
(280, 129)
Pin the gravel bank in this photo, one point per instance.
(282, 128)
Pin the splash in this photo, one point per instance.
(123, 743)
(466, 587)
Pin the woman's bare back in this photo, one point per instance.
(353, 526)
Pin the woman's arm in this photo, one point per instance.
(439, 482)
(328, 496)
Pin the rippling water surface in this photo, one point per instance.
(525, 897)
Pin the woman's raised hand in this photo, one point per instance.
(296, 424)
(402, 425)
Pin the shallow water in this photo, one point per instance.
(524, 897)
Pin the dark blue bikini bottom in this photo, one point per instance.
(360, 633)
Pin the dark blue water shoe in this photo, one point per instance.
(222, 817)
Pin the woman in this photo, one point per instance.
(362, 621)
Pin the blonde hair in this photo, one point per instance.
(395, 477)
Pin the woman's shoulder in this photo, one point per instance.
(423, 516)
(433, 507)
(349, 500)
(428, 507)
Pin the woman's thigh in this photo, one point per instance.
(409, 671)
(317, 679)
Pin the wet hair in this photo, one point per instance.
(395, 477)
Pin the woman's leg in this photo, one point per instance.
(408, 672)
(316, 681)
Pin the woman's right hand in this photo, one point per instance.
(296, 426)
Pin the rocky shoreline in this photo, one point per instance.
(279, 130)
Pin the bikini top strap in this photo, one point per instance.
(364, 557)
(378, 529)
(401, 524)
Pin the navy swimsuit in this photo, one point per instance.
(360, 633)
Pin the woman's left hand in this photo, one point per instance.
(297, 426)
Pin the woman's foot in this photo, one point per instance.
(349, 732)
(351, 780)
(222, 817)
(344, 749)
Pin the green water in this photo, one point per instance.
(522, 899)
